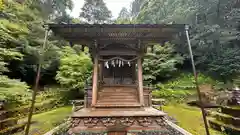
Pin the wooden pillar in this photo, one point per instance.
(100, 74)
(95, 81)
(140, 81)
(95, 77)
(85, 98)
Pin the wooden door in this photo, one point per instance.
(117, 133)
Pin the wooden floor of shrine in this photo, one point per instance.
(118, 112)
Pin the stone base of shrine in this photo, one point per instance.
(120, 121)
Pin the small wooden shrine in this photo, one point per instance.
(118, 103)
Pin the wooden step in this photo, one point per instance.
(118, 95)
(133, 93)
(113, 105)
(117, 100)
(117, 88)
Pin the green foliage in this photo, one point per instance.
(223, 63)
(22, 35)
(214, 32)
(74, 69)
(51, 9)
(185, 81)
(161, 63)
(13, 91)
(62, 96)
(236, 81)
(124, 14)
(136, 7)
(181, 88)
(95, 11)
(40, 107)
(155, 11)
(173, 95)
(124, 17)
(12, 33)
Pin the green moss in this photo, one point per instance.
(44, 122)
(189, 118)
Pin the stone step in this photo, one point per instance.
(8, 122)
(227, 119)
(3, 115)
(231, 110)
(13, 129)
(220, 126)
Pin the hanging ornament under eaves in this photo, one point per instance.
(119, 63)
(106, 65)
(129, 64)
(113, 63)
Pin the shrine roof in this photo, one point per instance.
(123, 33)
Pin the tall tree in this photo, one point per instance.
(160, 11)
(136, 7)
(74, 69)
(21, 32)
(51, 10)
(13, 35)
(95, 11)
(160, 63)
(124, 17)
(124, 14)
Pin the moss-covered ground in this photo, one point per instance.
(189, 118)
(46, 121)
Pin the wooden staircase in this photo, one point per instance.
(118, 96)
